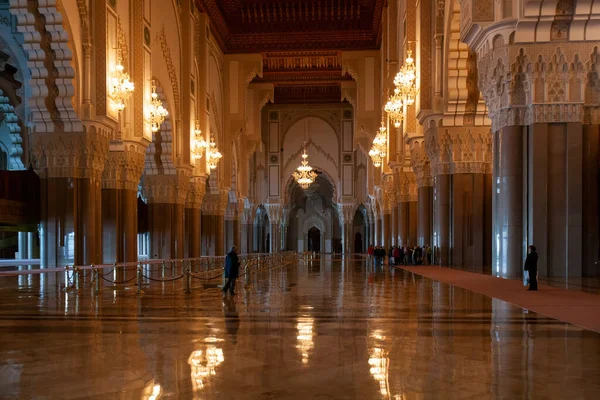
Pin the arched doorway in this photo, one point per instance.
(314, 240)
(358, 243)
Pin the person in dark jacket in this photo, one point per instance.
(531, 266)
(232, 269)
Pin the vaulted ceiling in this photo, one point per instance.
(301, 40)
(245, 26)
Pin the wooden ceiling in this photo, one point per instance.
(251, 26)
(300, 40)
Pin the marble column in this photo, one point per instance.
(387, 229)
(403, 212)
(471, 230)
(591, 199)
(166, 196)
(425, 206)
(193, 217)
(219, 221)
(377, 230)
(394, 223)
(442, 219)
(511, 250)
(120, 180)
(413, 222)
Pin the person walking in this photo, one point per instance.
(531, 267)
(232, 269)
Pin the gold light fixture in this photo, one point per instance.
(395, 108)
(156, 111)
(121, 86)
(214, 156)
(406, 79)
(378, 150)
(199, 144)
(304, 174)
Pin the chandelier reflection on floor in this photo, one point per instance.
(304, 174)
(305, 337)
(203, 365)
(379, 363)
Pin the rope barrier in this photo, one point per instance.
(250, 263)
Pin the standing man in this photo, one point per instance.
(531, 266)
(232, 269)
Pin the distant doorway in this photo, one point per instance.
(314, 240)
(358, 243)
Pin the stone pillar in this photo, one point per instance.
(591, 199)
(70, 168)
(387, 229)
(120, 181)
(413, 214)
(425, 209)
(274, 211)
(510, 154)
(166, 196)
(377, 231)
(193, 217)
(220, 249)
(442, 219)
(403, 212)
(394, 223)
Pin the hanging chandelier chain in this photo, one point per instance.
(304, 174)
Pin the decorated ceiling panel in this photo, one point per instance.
(278, 25)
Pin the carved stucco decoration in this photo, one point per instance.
(454, 150)
(554, 85)
(167, 189)
(420, 163)
(124, 168)
(45, 43)
(408, 190)
(161, 39)
(70, 155)
(9, 118)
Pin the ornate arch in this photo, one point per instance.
(46, 44)
(9, 119)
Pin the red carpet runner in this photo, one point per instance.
(578, 308)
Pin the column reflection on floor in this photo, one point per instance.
(333, 327)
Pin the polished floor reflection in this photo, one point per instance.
(321, 329)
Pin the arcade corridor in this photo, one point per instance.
(321, 328)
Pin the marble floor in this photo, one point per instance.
(320, 329)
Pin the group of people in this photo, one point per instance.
(401, 255)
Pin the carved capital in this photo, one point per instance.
(170, 189)
(124, 167)
(196, 192)
(70, 155)
(420, 163)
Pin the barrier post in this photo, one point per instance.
(139, 278)
(162, 275)
(97, 277)
(76, 277)
(188, 280)
(173, 265)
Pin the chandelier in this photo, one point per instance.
(121, 86)
(304, 174)
(378, 150)
(395, 108)
(406, 80)
(199, 144)
(214, 156)
(156, 110)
